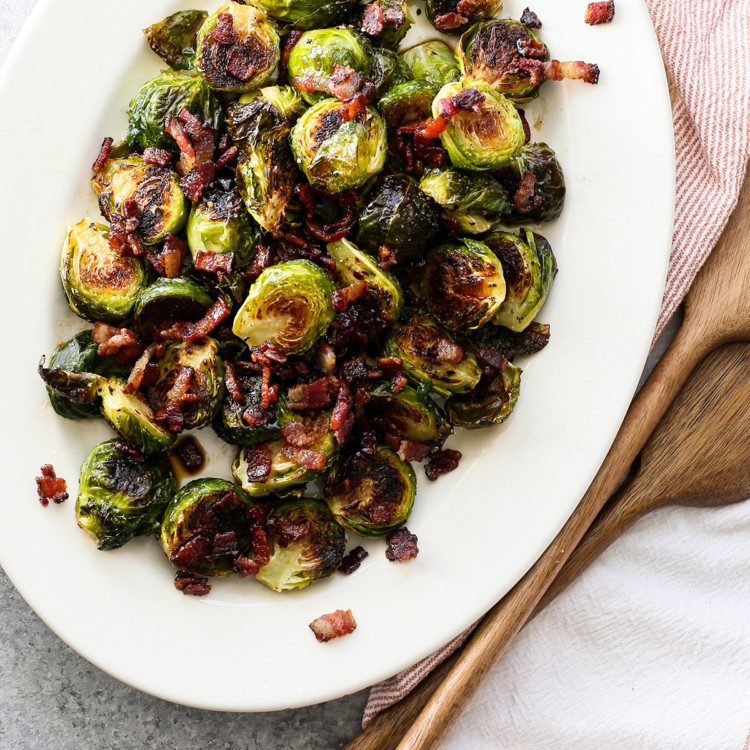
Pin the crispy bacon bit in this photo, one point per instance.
(223, 32)
(344, 82)
(449, 21)
(197, 180)
(525, 123)
(244, 567)
(268, 393)
(398, 383)
(255, 416)
(409, 450)
(104, 153)
(231, 382)
(467, 8)
(310, 459)
(468, 100)
(402, 545)
(342, 298)
(240, 65)
(261, 261)
(128, 450)
(531, 48)
(296, 434)
(325, 358)
(342, 407)
(394, 16)
(307, 396)
(286, 531)
(291, 39)
(186, 331)
(307, 84)
(602, 12)
(333, 625)
(159, 156)
(352, 561)
(554, 70)
(191, 584)
(218, 263)
(190, 455)
(373, 20)
(261, 547)
(306, 196)
(524, 199)
(225, 543)
(187, 154)
(332, 232)
(226, 157)
(390, 365)
(259, 461)
(492, 358)
(139, 369)
(51, 487)
(530, 19)
(386, 257)
(111, 340)
(442, 462)
(172, 255)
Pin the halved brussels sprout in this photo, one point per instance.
(485, 140)
(491, 51)
(388, 70)
(338, 154)
(238, 53)
(409, 414)
(120, 497)
(312, 59)
(407, 102)
(431, 355)
(165, 302)
(168, 94)
(491, 402)
(464, 284)
(400, 216)
(455, 16)
(530, 267)
(307, 14)
(197, 524)
(161, 207)
(100, 284)
(372, 495)
(306, 545)
(383, 299)
(229, 424)
(174, 38)
(288, 305)
(432, 62)
(475, 200)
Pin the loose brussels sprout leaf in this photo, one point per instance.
(240, 56)
(306, 545)
(336, 154)
(409, 414)
(372, 495)
(431, 355)
(76, 387)
(100, 284)
(490, 52)
(312, 59)
(165, 302)
(132, 417)
(399, 215)
(530, 267)
(432, 62)
(407, 102)
(513, 344)
(288, 305)
(168, 94)
(229, 424)
(485, 140)
(206, 385)
(383, 299)
(307, 14)
(199, 513)
(120, 497)
(464, 284)
(160, 204)
(174, 38)
(388, 70)
(490, 403)
(474, 199)
(455, 16)
(219, 223)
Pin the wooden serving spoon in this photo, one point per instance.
(717, 312)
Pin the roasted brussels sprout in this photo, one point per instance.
(168, 94)
(381, 303)
(372, 495)
(464, 284)
(407, 102)
(513, 344)
(491, 402)
(76, 387)
(337, 154)
(174, 38)
(530, 267)
(195, 533)
(229, 424)
(476, 200)
(455, 16)
(288, 305)
(432, 62)
(385, 22)
(492, 52)
(262, 115)
(160, 204)
(307, 14)
(306, 544)
(312, 59)
(100, 284)
(431, 355)
(400, 216)
(121, 496)
(485, 139)
(387, 71)
(165, 302)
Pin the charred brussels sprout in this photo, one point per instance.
(464, 284)
(475, 200)
(263, 114)
(100, 284)
(432, 62)
(491, 52)
(168, 94)
(482, 140)
(160, 204)
(512, 344)
(206, 526)
(337, 154)
(306, 544)
(530, 267)
(372, 495)
(407, 102)
(229, 424)
(455, 16)
(288, 305)
(238, 48)
(121, 496)
(431, 355)
(312, 59)
(490, 403)
(388, 70)
(167, 301)
(174, 38)
(307, 14)
(76, 387)
(399, 215)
